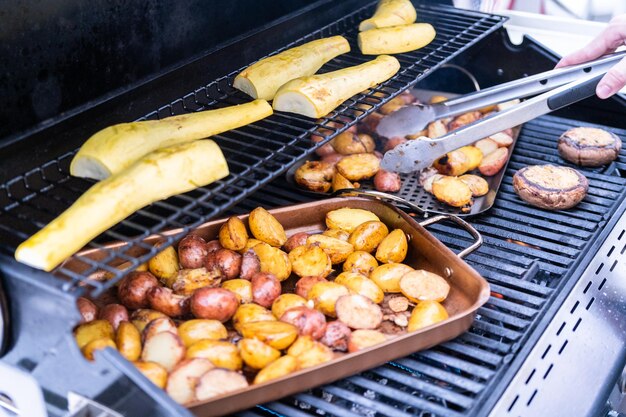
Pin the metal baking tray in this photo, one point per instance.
(412, 191)
(468, 292)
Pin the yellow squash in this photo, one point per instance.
(396, 39)
(390, 13)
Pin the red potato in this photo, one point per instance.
(393, 142)
(358, 312)
(265, 289)
(362, 339)
(304, 284)
(325, 149)
(87, 309)
(164, 300)
(114, 314)
(502, 139)
(486, 146)
(227, 261)
(421, 285)
(214, 303)
(217, 382)
(134, 288)
(213, 246)
(165, 349)
(192, 252)
(309, 321)
(387, 181)
(370, 123)
(160, 325)
(295, 240)
(494, 162)
(332, 158)
(336, 336)
(181, 382)
(250, 265)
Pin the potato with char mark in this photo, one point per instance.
(214, 303)
(337, 249)
(452, 191)
(273, 261)
(315, 176)
(233, 234)
(478, 185)
(348, 143)
(189, 280)
(192, 251)
(266, 228)
(357, 167)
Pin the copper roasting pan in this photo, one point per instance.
(468, 292)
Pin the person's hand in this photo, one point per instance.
(611, 38)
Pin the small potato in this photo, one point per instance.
(285, 302)
(128, 341)
(502, 139)
(226, 261)
(425, 314)
(494, 162)
(325, 295)
(217, 382)
(393, 248)
(452, 191)
(370, 123)
(242, 289)
(214, 304)
(140, 318)
(459, 161)
(192, 252)
(393, 142)
(164, 265)
(360, 284)
(256, 354)
(436, 129)
(310, 322)
(153, 371)
(358, 312)
(233, 234)
(277, 334)
(296, 240)
(464, 119)
(95, 329)
(277, 369)
(348, 219)
(266, 228)
(164, 348)
(192, 331)
(265, 289)
(134, 288)
(348, 143)
(477, 185)
(181, 382)
(309, 353)
(221, 354)
(315, 176)
(87, 309)
(340, 183)
(421, 285)
(250, 264)
(387, 181)
(250, 313)
(362, 339)
(96, 344)
(164, 300)
(387, 276)
(189, 280)
(337, 234)
(304, 284)
(273, 261)
(367, 236)
(336, 336)
(310, 260)
(115, 313)
(213, 245)
(332, 158)
(360, 262)
(160, 325)
(252, 242)
(486, 146)
(337, 249)
(358, 166)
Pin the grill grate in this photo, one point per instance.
(526, 254)
(256, 153)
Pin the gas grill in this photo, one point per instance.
(557, 278)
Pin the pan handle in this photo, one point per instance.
(354, 192)
(465, 225)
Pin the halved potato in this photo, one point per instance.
(182, 381)
(96, 329)
(273, 261)
(286, 301)
(358, 166)
(164, 348)
(310, 260)
(217, 382)
(266, 228)
(156, 373)
(452, 191)
(360, 284)
(221, 354)
(393, 248)
(359, 261)
(256, 354)
(348, 219)
(97, 344)
(337, 249)
(358, 312)
(233, 234)
(250, 313)
(364, 338)
(277, 369)
(309, 353)
(367, 236)
(422, 285)
(277, 334)
(192, 331)
(478, 185)
(425, 314)
(325, 295)
(128, 341)
(387, 276)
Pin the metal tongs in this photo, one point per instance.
(560, 87)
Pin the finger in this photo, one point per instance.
(613, 81)
(608, 41)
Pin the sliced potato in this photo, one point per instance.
(425, 314)
(277, 369)
(315, 176)
(241, 287)
(452, 191)
(159, 325)
(250, 313)
(358, 312)
(128, 341)
(367, 236)
(266, 228)
(340, 182)
(310, 260)
(309, 321)
(96, 329)
(277, 334)
(337, 249)
(217, 382)
(140, 318)
(337, 234)
(387, 276)
(348, 219)
(361, 262)
(362, 339)
(164, 348)
(309, 353)
(192, 331)
(393, 248)
(256, 354)
(478, 185)
(494, 162)
(325, 295)
(221, 354)
(164, 265)
(502, 139)
(97, 344)
(421, 285)
(273, 261)
(360, 284)
(153, 371)
(233, 234)
(486, 146)
(358, 166)
(181, 382)
(286, 301)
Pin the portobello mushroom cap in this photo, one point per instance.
(589, 146)
(550, 187)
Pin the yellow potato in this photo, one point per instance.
(478, 185)
(358, 166)
(286, 301)
(277, 369)
(309, 353)
(361, 262)
(452, 191)
(164, 348)
(325, 295)
(241, 287)
(192, 331)
(252, 242)
(310, 260)
(128, 341)
(160, 325)
(360, 284)
(337, 234)
(367, 236)
(364, 338)
(277, 334)
(393, 248)
(153, 371)
(250, 313)
(233, 234)
(189, 280)
(256, 354)
(387, 276)
(140, 318)
(221, 354)
(349, 143)
(266, 228)
(348, 219)
(337, 249)
(422, 285)
(426, 313)
(164, 265)
(97, 344)
(273, 261)
(340, 182)
(96, 329)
